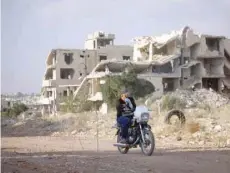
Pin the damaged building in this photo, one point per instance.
(180, 60)
(185, 59)
(67, 68)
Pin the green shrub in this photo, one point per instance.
(16, 110)
(74, 105)
(68, 104)
(170, 102)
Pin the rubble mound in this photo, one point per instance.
(200, 97)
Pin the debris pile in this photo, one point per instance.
(201, 97)
(203, 127)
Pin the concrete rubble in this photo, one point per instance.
(201, 97)
(203, 128)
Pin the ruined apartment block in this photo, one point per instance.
(67, 68)
(181, 59)
(184, 59)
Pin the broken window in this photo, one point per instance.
(154, 69)
(102, 57)
(65, 93)
(161, 51)
(101, 34)
(66, 73)
(50, 93)
(186, 60)
(168, 84)
(68, 58)
(126, 57)
(210, 83)
(165, 68)
(213, 44)
(101, 43)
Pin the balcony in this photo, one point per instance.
(48, 83)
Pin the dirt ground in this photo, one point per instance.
(70, 155)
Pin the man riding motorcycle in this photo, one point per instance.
(125, 109)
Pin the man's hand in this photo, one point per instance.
(129, 103)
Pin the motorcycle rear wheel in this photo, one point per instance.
(122, 150)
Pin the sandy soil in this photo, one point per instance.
(71, 155)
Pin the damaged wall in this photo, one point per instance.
(191, 38)
(116, 52)
(206, 48)
(226, 43)
(213, 67)
(70, 72)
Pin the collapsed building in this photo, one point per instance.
(191, 59)
(181, 59)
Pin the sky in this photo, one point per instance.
(31, 28)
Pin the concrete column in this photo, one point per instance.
(219, 89)
(54, 74)
(106, 69)
(68, 91)
(92, 85)
(53, 61)
(221, 46)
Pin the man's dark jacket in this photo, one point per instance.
(121, 104)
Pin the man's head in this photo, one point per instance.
(124, 94)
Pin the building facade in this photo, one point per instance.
(67, 68)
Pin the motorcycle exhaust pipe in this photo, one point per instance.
(120, 145)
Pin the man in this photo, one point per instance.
(125, 108)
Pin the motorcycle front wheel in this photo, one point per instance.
(149, 142)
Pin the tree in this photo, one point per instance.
(129, 80)
(69, 104)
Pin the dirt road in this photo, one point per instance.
(71, 155)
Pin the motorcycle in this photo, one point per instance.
(139, 133)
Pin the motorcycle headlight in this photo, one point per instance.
(144, 117)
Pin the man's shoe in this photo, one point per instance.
(122, 141)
